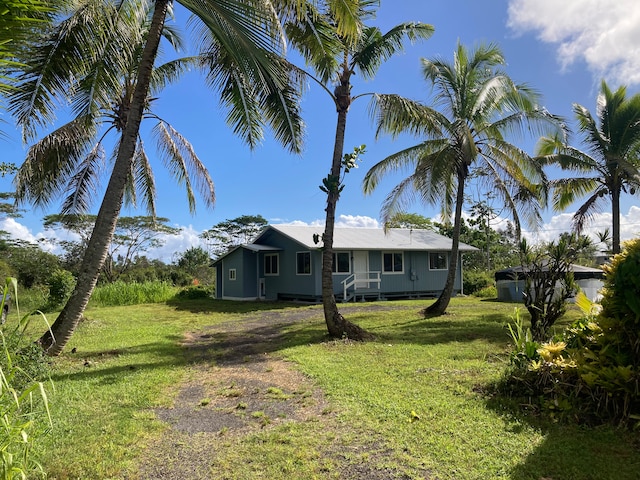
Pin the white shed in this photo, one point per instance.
(510, 282)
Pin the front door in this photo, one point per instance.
(361, 269)
(263, 289)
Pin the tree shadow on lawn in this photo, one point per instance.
(211, 305)
(99, 363)
(570, 451)
(439, 330)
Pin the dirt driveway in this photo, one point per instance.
(239, 386)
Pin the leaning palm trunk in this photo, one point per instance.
(54, 341)
(336, 323)
(441, 304)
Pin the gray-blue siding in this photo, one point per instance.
(250, 273)
(415, 277)
(245, 285)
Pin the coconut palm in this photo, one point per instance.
(336, 53)
(610, 165)
(101, 46)
(480, 106)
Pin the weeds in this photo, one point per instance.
(24, 407)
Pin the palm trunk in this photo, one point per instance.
(439, 307)
(615, 212)
(337, 326)
(54, 340)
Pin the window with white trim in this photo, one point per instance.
(438, 261)
(341, 263)
(303, 263)
(392, 262)
(271, 264)
(232, 274)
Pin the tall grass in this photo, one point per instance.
(24, 409)
(120, 293)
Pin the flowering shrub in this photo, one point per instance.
(592, 373)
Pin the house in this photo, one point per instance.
(510, 282)
(284, 262)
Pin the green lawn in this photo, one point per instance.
(420, 386)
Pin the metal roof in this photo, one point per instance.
(580, 272)
(372, 238)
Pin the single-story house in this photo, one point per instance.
(284, 262)
(510, 282)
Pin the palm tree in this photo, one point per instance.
(480, 105)
(85, 60)
(610, 165)
(336, 53)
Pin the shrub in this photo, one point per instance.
(592, 373)
(475, 281)
(549, 281)
(181, 278)
(490, 291)
(61, 285)
(195, 292)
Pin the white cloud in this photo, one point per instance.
(605, 34)
(357, 221)
(629, 226)
(344, 221)
(18, 231)
(176, 244)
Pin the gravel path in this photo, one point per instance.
(237, 372)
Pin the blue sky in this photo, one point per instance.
(562, 49)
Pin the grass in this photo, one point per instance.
(416, 393)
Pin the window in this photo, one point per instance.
(438, 261)
(392, 262)
(271, 264)
(303, 263)
(232, 274)
(341, 262)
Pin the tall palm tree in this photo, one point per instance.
(481, 106)
(86, 58)
(337, 53)
(609, 167)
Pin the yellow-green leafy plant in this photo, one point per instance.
(593, 373)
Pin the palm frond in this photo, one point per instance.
(587, 210)
(349, 16)
(568, 190)
(374, 47)
(316, 40)
(170, 72)
(144, 181)
(394, 114)
(83, 186)
(247, 30)
(404, 160)
(52, 161)
(281, 109)
(183, 163)
(61, 60)
(254, 102)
